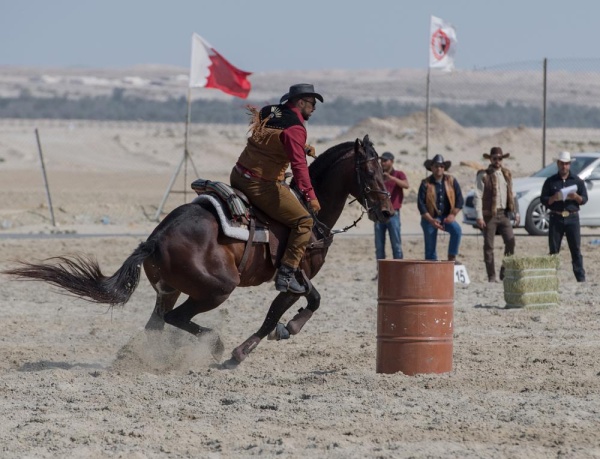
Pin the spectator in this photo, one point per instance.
(440, 200)
(564, 211)
(395, 183)
(494, 203)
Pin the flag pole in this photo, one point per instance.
(184, 159)
(226, 77)
(427, 114)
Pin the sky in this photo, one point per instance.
(264, 36)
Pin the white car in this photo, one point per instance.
(534, 215)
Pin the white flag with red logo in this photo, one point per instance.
(442, 44)
(209, 69)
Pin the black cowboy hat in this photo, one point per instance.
(387, 155)
(439, 159)
(496, 151)
(302, 89)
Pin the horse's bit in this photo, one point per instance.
(365, 191)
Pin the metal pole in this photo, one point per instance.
(427, 116)
(544, 112)
(169, 188)
(39, 144)
(184, 159)
(187, 152)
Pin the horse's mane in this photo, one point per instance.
(325, 160)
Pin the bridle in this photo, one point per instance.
(365, 190)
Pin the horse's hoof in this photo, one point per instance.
(230, 364)
(241, 352)
(298, 321)
(280, 332)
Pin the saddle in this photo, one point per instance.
(239, 219)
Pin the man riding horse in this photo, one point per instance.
(278, 140)
(188, 253)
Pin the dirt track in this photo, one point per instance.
(80, 380)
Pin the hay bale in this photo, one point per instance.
(531, 282)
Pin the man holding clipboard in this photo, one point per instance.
(562, 194)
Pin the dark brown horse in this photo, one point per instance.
(189, 253)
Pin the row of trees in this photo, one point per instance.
(341, 111)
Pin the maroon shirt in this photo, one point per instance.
(294, 140)
(395, 190)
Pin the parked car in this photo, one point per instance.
(534, 215)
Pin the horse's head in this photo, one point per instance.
(371, 192)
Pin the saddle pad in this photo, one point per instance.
(236, 232)
(237, 207)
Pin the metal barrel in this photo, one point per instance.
(415, 316)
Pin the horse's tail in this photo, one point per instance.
(82, 276)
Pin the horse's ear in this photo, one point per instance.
(366, 140)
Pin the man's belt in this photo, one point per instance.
(564, 213)
(248, 174)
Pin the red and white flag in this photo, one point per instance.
(442, 44)
(209, 69)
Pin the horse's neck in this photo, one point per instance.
(333, 194)
(331, 210)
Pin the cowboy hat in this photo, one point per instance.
(437, 159)
(496, 151)
(302, 89)
(564, 157)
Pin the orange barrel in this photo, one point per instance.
(414, 316)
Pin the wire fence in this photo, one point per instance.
(534, 108)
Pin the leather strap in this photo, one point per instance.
(321, 243)
(248, 245)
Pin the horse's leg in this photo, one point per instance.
(280, 304)
(271, 326)
(294, 326)
(193, 259)
(165, 300)
(304, 314)
(181, 317)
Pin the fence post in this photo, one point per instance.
(39, 144)
(545, 102)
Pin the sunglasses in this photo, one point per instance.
(311, 102)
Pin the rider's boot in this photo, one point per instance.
(298, 321)
(286, 281)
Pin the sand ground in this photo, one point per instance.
(81, 380)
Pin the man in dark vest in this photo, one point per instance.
(440, 199)
(278, 140)
(495, 204)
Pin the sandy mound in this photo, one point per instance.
(411, 127)
(516, 141)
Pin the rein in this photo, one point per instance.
(322, 228)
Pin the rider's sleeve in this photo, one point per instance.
(294, 139)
